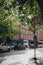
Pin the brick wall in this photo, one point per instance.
(40, 34)
(26, 34)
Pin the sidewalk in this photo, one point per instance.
(22, 59)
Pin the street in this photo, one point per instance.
(13, 52)
(22, 57)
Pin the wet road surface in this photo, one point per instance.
(13, 52)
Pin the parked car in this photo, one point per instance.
(10, 45)
(4, 47)
(40, 43)
(26, 43)
(19, 47)
(32, 45)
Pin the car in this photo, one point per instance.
(32, 45)
(19, 47)
(11, 46)
(26, 43)
(40, 43)
(4, 47)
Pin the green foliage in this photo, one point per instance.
(8, 18)
(13, 12)
(31, 8)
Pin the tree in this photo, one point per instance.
(16, 11)
(8, 18)
(28, 11)
(29, 8)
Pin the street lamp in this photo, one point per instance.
(36, 24)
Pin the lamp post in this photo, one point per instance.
(36, 24)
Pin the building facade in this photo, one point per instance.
(26, 34)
